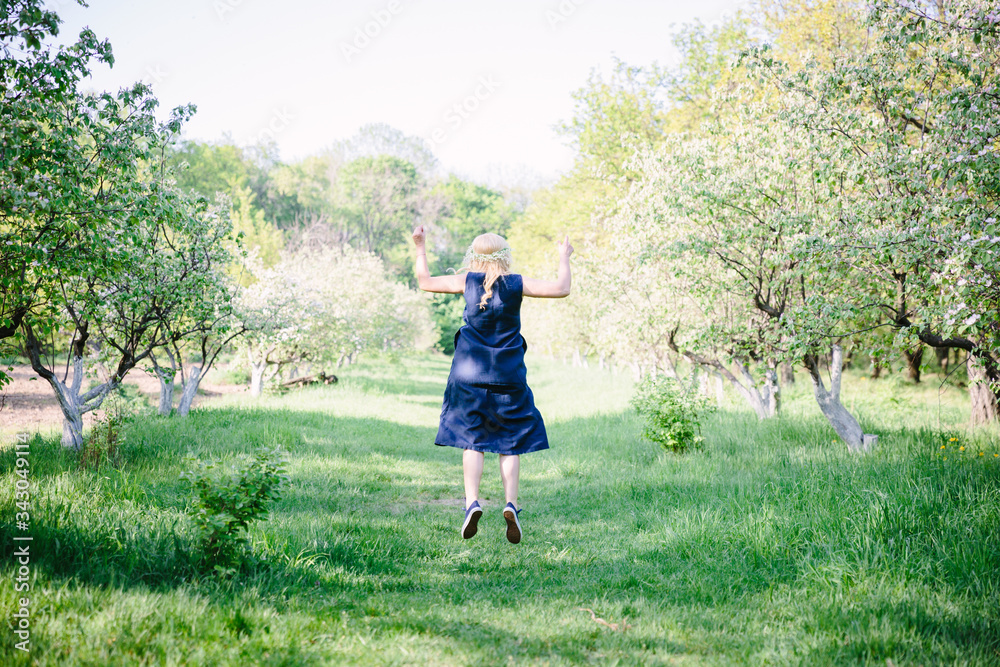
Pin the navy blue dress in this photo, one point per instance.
(488, 406)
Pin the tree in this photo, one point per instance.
(378, 139)
(209, 168)
(376, 201)
(204, 322)
(817, 31)
(326, 305)
(707, 66)
(634, 108)
(89, 220)
(913, 123)
(464, 210)
(277, 318)
(166, 262)
(256, 233)
(711, 233)
(66, 163)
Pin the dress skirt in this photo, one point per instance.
(494, 418)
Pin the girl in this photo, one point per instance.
(488, 406)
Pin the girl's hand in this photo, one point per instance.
(565, 249)
(419, 235)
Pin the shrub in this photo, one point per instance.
(673, 410)
(106, 438)
(223, 506)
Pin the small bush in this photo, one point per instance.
(673, 410)
(104, 442)
(224, 505)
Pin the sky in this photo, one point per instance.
(484, 83)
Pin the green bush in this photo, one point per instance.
(446, 312)
(223, 506)
(673, 410)
(104, 443)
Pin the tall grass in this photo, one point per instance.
(772, 545)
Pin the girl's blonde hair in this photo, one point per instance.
(490, 254)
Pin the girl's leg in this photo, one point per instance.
(472, 468)
(510, 473)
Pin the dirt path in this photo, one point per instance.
(29, 405)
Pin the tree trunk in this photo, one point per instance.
(985, 409)
(166, 377)
(72, 427)
(762, 397)
(166, 393)
(913, 361)
(72, 404)
(842, 421)
(666, 365)
(703, 387)
(257, 379)
(190, 390)
(942, 354)
(876, 369)
(773, 392)
(720, 390)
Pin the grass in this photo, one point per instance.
(773, 545)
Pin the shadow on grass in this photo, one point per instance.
(693, 531)
(489, 640)
(345, 471)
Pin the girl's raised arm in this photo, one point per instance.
(444, 284)
(553, 289)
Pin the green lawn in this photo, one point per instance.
(773, 545)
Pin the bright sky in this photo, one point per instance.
(310, 73)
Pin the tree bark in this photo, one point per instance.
(166, 377)
(257, 379)
(71, 402)
(787, 374)
(189, 391)
(16, 317)
(666, 365)
(842, 421)
(762, 397)
(983, 396)
(942, 354)
(913, 361)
